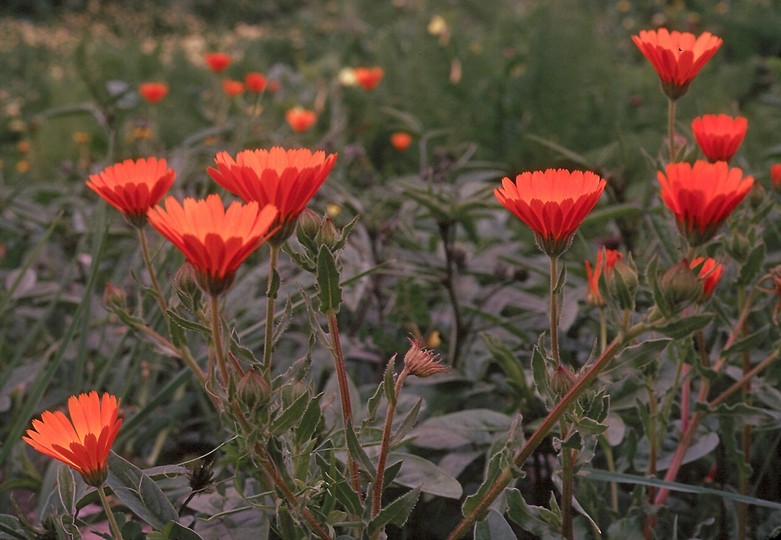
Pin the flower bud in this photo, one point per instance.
(328, 235)
(678, 288)
(621, 281)
(422, 362)
(114, 297)
(185, 280)
(561, 380)
(253, 390)
(739, 247)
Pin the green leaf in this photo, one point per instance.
(683, 326)
(638, 356)
(396, 513)
(389, 382)
(309, 422)
(139, 492)
(291, 415)
(508, 362)
(752, 266)
(537, 520)
(357, 452)
(343, 492)
(417, 472)
(188, 324)
(748, 343)
(408, 423)
(175, 531)
(476, 426)
(66, 487)
(495, 467)
(493, 527)
(329, 290)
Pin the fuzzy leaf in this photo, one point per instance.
(493, 527)
(396, 513)
(139, 492)
(683, 326)
(328, 288)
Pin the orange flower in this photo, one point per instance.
(232, 88)
(153, 92)
(553, 203)
(255, 82)
(217, 61)
(709, 272)
(401, 140)
(214, 240)
(84, 441)
(702, 196)
(368, 78)
(133, 187)
(719, 135)
(775, 175)
(300, 119)
(676, 56)
(288, 179)
(606, 258)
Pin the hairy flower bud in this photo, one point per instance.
(561, 380)
(678, 288)
(621, 281)
(114, 297)
(253, 390)
(422, 362)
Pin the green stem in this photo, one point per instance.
(611, 466)
(554, 311)
(652, 436)
(151, 270)
(602, 330)
(112, 521)
(567, 486)
(270, 298)
(344, 395)
(580, 386)
(385, 445)
(671, 127)
(214, 309)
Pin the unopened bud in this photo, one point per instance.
(621, 281)
(678, 288)
(739, 247)
(114, 297)
(422, 362)
(561, 380)
(328, 235)
(185, 279)
(253, 390)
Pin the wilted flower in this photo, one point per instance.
(719, 135)
(82, 442)
(422, 362)
(677, 57)
(553, 203)
(133, 187)
(217, 61)
(702, 196)
(255, 82)
(401, 140)
(153, 92)
(214, 240)
(300, 119)
(368, 77)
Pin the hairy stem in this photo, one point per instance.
(151, 270)
(214, 312)
(671, 128)
(270, 298)
(554, 311)
(567, 486)
(112, 521)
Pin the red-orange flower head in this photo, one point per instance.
(214, 240)
(133, 187)
(288, 179)
(255, 82)
(83, 441)
(719, 135)
(676, 56)
(553, 203)
(232, 88)
(401, 140)
(368, 77)
(217, 61)
(606, 259)
(300, 119)
(153, 92)
(709, 272)
(702, 196)
(775, 175)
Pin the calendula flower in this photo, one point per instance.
(709, 271)
(255, 82)
(153, 92)
(133, 187)
(553, 203)
(217, 61)
(368, 77)
(719, 135)
(82, 442)
(401, 140)
(677, 57)
(702, 196)
(232, 88)
(606, 259)
(288, 179)
(300, 119)
(775, 175)
(214, 240)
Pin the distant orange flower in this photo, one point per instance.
(676, 56)
(709, 273)
(83, 441)
(606, 259)
(133, 187)
(401, 140)
(368, 77)
(553, 203)
(300, 119)
(214, 240)
(288, 179)
(255, 82)
(232, 88)
(775, 175)
(719, 135)
(702, 196)
(153, 92)
(217, 61)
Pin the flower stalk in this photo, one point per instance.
(112, 520)
(270, 301)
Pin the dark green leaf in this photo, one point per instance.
(536, 519)
(638, 356)
(396, 513)
(417, 472)
(752, 266)
(493, 527)
(683, 326)
(408, 423)
(748, 343)
(66, 487)
(357, 452)
(291, 415)
(329, 290)
(188, 324)
(139, 492)
(175, 531)
(309, 422)
(389, 382)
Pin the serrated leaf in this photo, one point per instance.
(188, 324)
(291, 415)
(684, 326)
(395, 513)
(309, 421)
(357, 452)
(408, 423)
(329, 291)
(388, 382)
(536, 519)
(638, 356)
(139, 492)
(344, 493)
(493, 470)
(374, 402)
